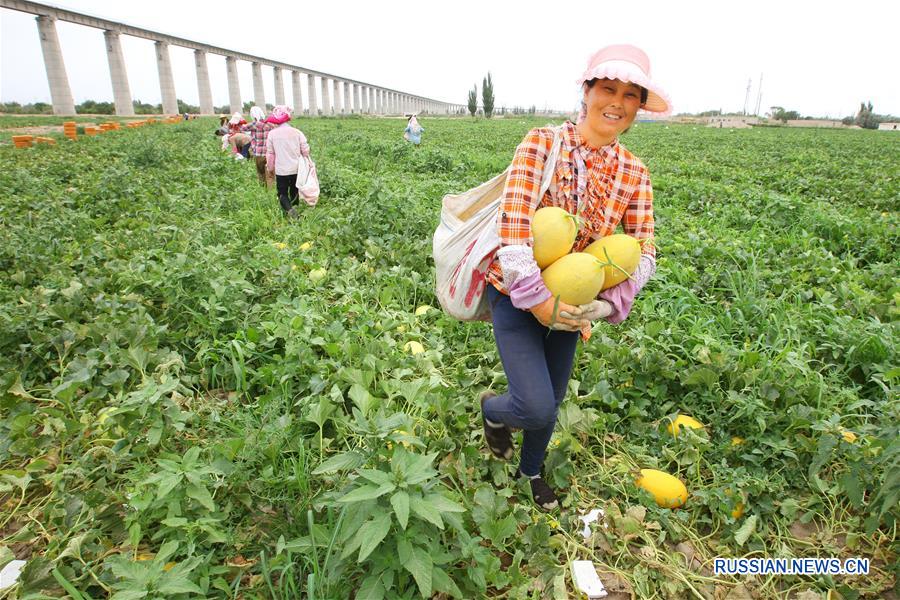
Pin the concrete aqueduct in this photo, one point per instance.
(357, 96)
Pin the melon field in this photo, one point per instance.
(199, 398)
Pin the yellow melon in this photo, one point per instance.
(575, 278)
(667, 490)
(848, 436)
(554, 231)
(414, 347)
(738, 511)
(623, 250)
(683, 421)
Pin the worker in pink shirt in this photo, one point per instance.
(284, 147)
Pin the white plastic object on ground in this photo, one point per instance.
(586, 579)
(10, 573)
(589, 518)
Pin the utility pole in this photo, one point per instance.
(747, 96)
(759, 95)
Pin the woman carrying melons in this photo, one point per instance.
(598, 179)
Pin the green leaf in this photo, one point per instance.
(375, 476)
(13, 477)
(6, 556)
(419, 468)
(499, 530)
(444, 504)
(704, 376)
(167, 483)
(426, 510)
(129, 595)
(404, 549)
(400, 502)
(374, 532)
(178, 585)
(165, 552)
(201, 495)
(823, 454)
(372, 587)
(319, 413)
(442, 583)
(339, 462)
(190, 458)
(361, 397)
(366, 492)
(854, 488)
(420, 566)
(743, 534)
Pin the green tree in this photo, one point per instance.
(184, 107)
(93, 107)
(779, 114)
(865, 118)
(142, 108)
(487, 96)
(473, 100)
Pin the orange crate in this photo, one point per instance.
(22, 141)
(45, 140)
(91, 130)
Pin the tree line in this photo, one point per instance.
(487, 97)
(865, 117)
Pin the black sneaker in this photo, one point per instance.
(499, 439)
(543, 495)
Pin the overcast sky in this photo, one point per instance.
(820, 58)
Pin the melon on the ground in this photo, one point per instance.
(667, 490)
(683, 421)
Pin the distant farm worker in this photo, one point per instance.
(240, 145)
(236, 122)
(413, 131)
(259, 130)
(237, 143)
(597, 178)
(284, 147)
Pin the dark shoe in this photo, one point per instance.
(544, 496)
(292, 214)
(499, 439)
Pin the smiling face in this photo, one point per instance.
(611, 108)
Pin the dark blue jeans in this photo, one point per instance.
(537, 362)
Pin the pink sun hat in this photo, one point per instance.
(628, 63)
(280, 114)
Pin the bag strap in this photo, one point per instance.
(550, 162)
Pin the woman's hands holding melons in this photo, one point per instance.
(572, 321)
(597, 309)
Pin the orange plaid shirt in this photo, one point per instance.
(618, 191)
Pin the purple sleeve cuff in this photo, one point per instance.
(621, 297)
(528, 292)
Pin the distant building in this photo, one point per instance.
(815, 123)
(731, 121)
(889, 127)
(651, 117)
